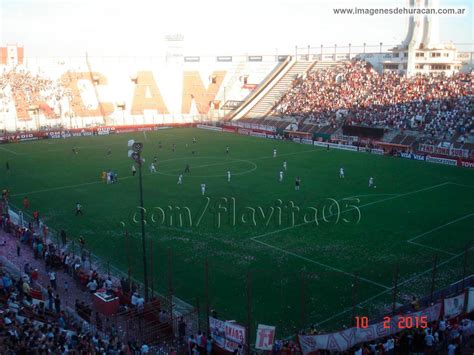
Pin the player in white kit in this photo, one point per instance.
(228, 175)
(281, 176)
(274, 153)
(284, 165)
(180, 179)
(371, 182)
(152, 168)
(203, 189)
(341, 173)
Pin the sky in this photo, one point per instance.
(210, 27)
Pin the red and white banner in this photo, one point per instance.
(346, 339)
(448, 151)
(265, 337)
(454, 306)
(227, 335)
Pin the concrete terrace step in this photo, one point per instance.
(278, 90)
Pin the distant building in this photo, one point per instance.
(420, 51)
(11, 55)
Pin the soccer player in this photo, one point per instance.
(78, 209)
(194, 140)
(341, 173)
(281, 176)
(227, 150)
(109, 152)
(284, 165)
(180, 179)
(186, 169)
(297, 183)
(104, 176)
(74, 150)
(155, 159)
(203, 189)
(371, 181)
(160, 145)
(174, 147)
(228, 175)
(26, 203)
(134, 170)
(274, 153)
(152, 168)
(8, 167)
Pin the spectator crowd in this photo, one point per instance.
(21, 87)
(434, 104)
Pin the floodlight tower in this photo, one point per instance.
(135, 155)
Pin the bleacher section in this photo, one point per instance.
(127, 90)
(264, 106)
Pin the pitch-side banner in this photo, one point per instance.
(227, 335)
(454, 306)
(265, 337)
(346, 339)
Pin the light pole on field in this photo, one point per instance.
(135, 155)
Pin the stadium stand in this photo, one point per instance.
(436, 106)
(79, 92)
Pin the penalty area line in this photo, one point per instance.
(392, 197)
(391, 289)
(329, 267)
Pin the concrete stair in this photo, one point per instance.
(266, 104)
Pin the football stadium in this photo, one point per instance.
(311, 199)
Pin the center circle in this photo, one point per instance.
(175, 172)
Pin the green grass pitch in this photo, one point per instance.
(416, 211)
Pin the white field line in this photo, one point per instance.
(431, 248)
(321, 264)
(168, 160)
(101, 182)
(90, 146)
(412, 240)
(255, 239)
(11, 151)
(365, 205)
(440, 227)
(463, 185)
(391, 288)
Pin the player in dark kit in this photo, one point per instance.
(186, 169)
(297, 183)
(227, 150)
(7, 165)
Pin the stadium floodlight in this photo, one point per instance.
(135, 155)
